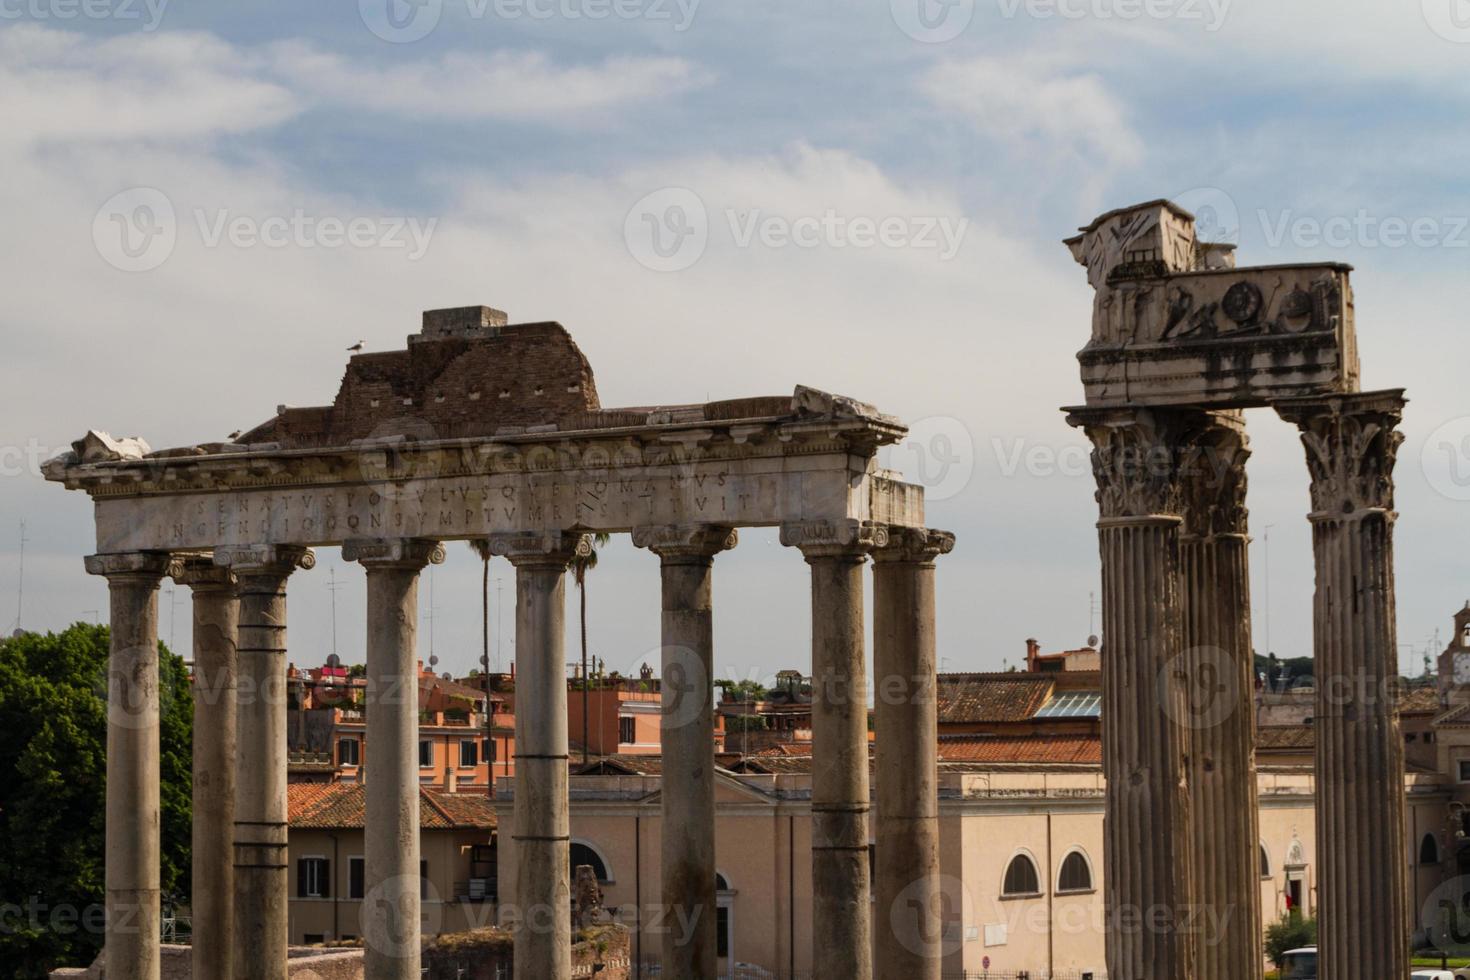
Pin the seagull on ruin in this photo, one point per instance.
(356, 348)
(234, 435)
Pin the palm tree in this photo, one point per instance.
(481, 547)
(581, 565)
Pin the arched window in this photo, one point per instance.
(1076, 874)
(1021, 877)
(1429, 850)
(1265, 862)
(580, 854)
(722, 884)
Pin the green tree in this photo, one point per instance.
(53, 775)
(747, 690)
(1291, 931)
(581, 565)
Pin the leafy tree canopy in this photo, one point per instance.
(747, 690)
(53, 774)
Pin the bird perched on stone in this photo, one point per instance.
(234, 435)
(356, 347)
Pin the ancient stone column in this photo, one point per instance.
(1362, 877)
(216, 621)
(542, 925)
(907, 919)
(131, 932)
(391, 905)
(1147, 828)
(1219, 719)
(688, 737)
(261, 879)
(841, 915)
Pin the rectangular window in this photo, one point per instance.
(468, 754)
(426, 755)
(347, 754)
(489, 750)
(313, 877)
(355, 877)
(1465, 770)
(722, 932)
(627, 731)
(424, 879)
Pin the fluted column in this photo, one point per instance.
(908, 923)
(216, 622)
(1148, 882)
(687, 792)
(1219, 720)
(842, 936)
(132, 849)
(1362, 878)
(261, 880)
(391, 905)
(542, 925)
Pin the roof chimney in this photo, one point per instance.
(1033, 651)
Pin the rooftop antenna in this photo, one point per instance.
(1266, 541)
(332, 587)
(20, 587)
(1092, 614)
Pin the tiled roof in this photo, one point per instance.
(1081, 749)
(969, 698)
(342, 806)
(773, 764)
(1419, 701)
(1285, 737)
(621, 765)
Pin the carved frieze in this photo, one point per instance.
(1351, 444)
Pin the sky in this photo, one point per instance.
(204, 204)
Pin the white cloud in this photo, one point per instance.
(56, 85)
(494, 85)
(1038, 106)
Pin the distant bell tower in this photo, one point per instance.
(1454, 663)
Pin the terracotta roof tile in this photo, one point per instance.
(1079, 749)
(971, 698)
(340, 806)
(1285, 737)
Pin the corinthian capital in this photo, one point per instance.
(1136, 457)
(1352, 444)
(1212, 478)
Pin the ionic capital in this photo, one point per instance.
(1136, 457)
(276, 560)
(556, 548)
(140, 567)
(1212, 479)
(834, 538)
(685, 542)
(914, 545)
(403, 553)
(200, 574)
(1352, 444)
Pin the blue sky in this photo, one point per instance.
(522, 137)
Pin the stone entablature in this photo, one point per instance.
(1175, 323)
